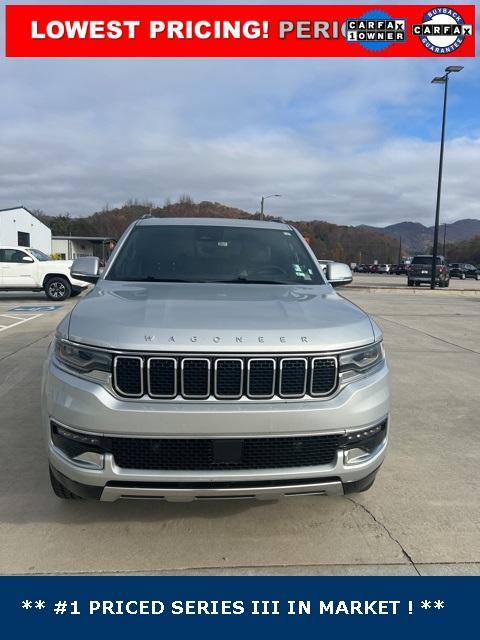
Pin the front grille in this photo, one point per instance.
(222, 454)
(223, 377)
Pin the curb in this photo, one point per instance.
(417, 291)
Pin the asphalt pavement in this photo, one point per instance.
(421, 517)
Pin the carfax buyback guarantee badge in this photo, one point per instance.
(442, 30)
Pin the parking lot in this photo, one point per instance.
(421, 517)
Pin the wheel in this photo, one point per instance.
(410, 283)
(60, 491)
(462, 276)
(57, 288)
(477, 277)
(446, 283)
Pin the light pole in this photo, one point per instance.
(440, 80)
(273, 195)
(444, 237)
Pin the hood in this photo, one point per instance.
(218, 318)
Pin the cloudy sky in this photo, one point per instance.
(349, 141)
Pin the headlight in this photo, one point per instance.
(82, 359)
(361, 361)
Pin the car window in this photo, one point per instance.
(424, 260)
(39, 255)
(12, 255)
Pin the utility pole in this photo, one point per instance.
(273, 195)
(440, 80)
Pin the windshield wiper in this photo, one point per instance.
(153, 279)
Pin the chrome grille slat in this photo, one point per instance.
(228, 378)
(293, 377)
(324, 370)
(128, 375)
(225, 377)
(195, 378)
(162, 377)
(261, 378)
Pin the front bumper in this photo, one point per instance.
(89, 408)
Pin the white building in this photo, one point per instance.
(20, 228)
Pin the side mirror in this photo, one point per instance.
(86, 269)
(27, 259)
(338, 273)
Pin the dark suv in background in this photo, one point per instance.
(420, 271)
(463, 270)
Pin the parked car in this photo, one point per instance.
(214, 359)
(399, 269)
(383, 268)
(361, 268)
(373, 268)
(464, 270)
(420, 271)
(27, 269)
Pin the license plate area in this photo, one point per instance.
(227, 450)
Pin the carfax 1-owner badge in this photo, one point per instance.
(442, 30)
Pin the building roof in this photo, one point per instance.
(89, 238)
(20, 206)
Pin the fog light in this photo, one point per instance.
(360, 445)
(96, 441)
(82, 448)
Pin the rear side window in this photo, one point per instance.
(425, 260)
(12, 255)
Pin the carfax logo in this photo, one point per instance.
(375, 30)
(442, 30)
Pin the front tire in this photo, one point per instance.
(60, 491)
(410, 283)
(58, 288)
(462, 276)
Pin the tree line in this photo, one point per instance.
(464, 251)
(328, 240)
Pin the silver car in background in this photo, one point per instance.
(214, 359)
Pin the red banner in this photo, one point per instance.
(239, 30)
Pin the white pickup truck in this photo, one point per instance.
(26, 269)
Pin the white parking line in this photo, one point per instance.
(15, 324)
(6, 315)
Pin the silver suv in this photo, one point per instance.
(213, 359)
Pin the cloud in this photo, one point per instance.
(342, 140)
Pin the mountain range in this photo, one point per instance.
(416, 237)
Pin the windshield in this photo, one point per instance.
(182, 253)
(424, 260)
(39, 255)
